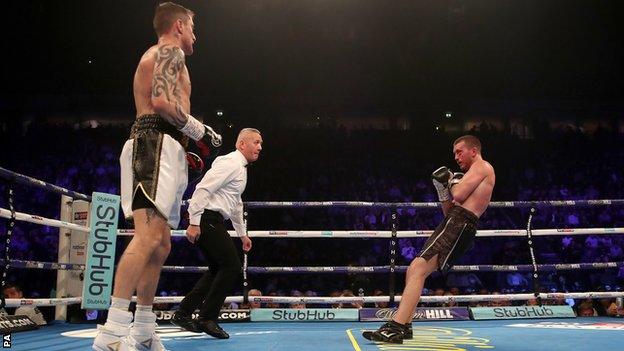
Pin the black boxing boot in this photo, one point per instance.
(391, 332)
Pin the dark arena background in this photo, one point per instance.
(357, 102)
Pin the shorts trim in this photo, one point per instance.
(453, 248)
(157, 165)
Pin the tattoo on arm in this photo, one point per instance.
(180, 114)
(169, 64)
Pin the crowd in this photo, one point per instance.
(355, 165)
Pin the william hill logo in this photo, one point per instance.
(433, 314)
(429, 313)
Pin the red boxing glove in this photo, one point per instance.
(204, 149)
(195, 163)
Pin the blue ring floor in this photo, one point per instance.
(591, 334)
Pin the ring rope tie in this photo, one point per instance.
(393, 255)
(533, 261)
(7, 248)
(245, 281)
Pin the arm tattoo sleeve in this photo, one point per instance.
(169, 64)
(180, 114)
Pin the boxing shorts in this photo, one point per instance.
(452, 238)
(154, 168)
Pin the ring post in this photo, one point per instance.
(72, 249)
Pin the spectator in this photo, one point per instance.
(13, 291)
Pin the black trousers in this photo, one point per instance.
(213, 287)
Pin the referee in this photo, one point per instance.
(218, 198)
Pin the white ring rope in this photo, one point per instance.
(25, 217)
(334, 300)
(20, 216)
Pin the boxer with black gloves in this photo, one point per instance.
(464, 198)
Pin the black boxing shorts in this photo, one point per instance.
(452, 238)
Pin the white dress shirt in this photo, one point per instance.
(220, 190)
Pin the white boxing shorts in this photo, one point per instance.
(153, 163)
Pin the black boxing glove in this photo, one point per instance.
(442, 175)
(210, 141)
(203, 135)
(210, 137)
(440, 178)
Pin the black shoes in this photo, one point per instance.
(199, 325)
(211, 328)
(391, 332)
(409, 333)
(184, 321)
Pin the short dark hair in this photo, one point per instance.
(470, 140)
(8, 286)
(167, 13)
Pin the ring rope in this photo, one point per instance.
(346, 299)
(26, 180)
(25, 217)
(493, 204)
(23, 264)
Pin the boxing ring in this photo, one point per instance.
(590, 334)
(516, 334)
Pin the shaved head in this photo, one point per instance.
(249, 143)
(246, 133)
